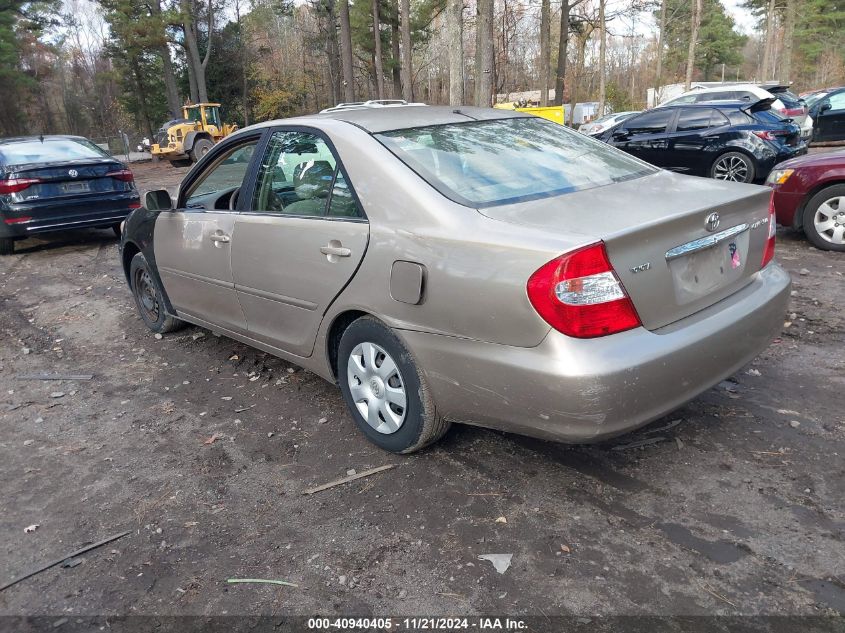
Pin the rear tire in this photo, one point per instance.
(733, 167)
(379, 377)
(824, 211)
(7, 246)
(200, 149)
(149, 297)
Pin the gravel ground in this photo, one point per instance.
(202, 448)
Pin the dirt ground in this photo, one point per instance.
(737, 506)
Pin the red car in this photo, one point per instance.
(809, 194)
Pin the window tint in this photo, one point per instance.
(684, 99)
(226, 173)
(738, 117)
(299, 175)
(652, 122)
(692, 119)
(724, 95)
(483, 163)
(837, 101)
(49, 150)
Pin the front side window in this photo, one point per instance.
(837, 101)
(653, 122)
(485, 163)
(223, 176)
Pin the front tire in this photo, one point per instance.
(733, 167)
(385, 390)
(7, 246)
(201, 148)
(149, 297)
(824, 219)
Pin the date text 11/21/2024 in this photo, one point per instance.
(417, 624)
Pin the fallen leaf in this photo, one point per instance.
(213, 439)
(565, 548)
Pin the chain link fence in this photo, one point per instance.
(122, 147)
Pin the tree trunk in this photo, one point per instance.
(563, 45)
(395, 53)
(484, 55)
(696, 22)
(581, 43)
(770, 42)
(346, 52)
(378, 60)
(171, 91)
(788, 42)
(192, 79)
(455, 40)
(332, 52)
(658, 75)
(194, 62)
(545, 52)
(602, 58)
(407, 53)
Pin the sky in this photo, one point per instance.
(744, 20)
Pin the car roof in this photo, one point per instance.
(400, 117)
(46, 137)
(716, 103)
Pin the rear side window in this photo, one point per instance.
(485, 163)
(725, 95)
(653, 122)
(738, 117)
(50, 150)
(692, 119)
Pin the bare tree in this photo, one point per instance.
(378, 60)
(693, 40)
(346, 52)
(788, 41)
(545, 51)
(768, 50)
(661, 29)
(484, 54)
(407, 52)
(455, 42)
(602, 58)
(196, 66)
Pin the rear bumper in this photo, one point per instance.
(575, 390)
(75, 214)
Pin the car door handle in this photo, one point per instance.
(220, 237)
(339, 251)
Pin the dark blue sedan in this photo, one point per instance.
(52, 183)
(734, 141)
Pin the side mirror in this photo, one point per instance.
(158, 200)
(824, 107)
(620, 135)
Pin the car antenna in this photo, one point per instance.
(41, 137)
(458, 111)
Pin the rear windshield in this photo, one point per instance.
(485, 163)
(769, 116)
(49, 150)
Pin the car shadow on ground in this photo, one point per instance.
(76, 238)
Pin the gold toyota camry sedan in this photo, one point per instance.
(464, 265)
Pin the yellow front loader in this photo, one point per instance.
(186, 140)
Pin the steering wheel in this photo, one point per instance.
(233, 199)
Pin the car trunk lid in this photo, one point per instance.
(68, 179)
(657, 237)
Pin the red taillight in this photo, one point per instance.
(20, 220)
(794, 111)
(766, 135)
(580, 295)
(124, 175)
(134, 205)
(14, 185)
(769, 249)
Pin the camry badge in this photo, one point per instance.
(73, 173)
(712, 222)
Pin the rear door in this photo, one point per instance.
(193, 244)
(830, 121)
(646, 136)
(298, 241)
(696, 130)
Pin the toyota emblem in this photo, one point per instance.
(73, 173)
(712, 222)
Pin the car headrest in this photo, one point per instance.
(312, 179)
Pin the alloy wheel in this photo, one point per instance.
(377, 387)
(829, 220)
(731, 168)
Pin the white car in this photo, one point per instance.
(605, 123)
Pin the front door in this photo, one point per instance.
(298, 242)
(645, 135)
(193, 244)
(830, 120)
(696, 130)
